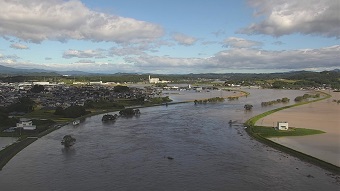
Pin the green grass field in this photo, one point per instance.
(271, 132)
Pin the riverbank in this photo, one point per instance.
(302, 154)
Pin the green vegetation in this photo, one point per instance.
(305, 97)
(68, 140)
(232, 98)
(129, 112)
(103, 104)
(210, 100)
(37, 88)
(283, 100)
(272, 132)
(248, 107)
(24, 104)
(71, 112)
(5, 121)
(121, 89)
(160, 100)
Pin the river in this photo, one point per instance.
(131, 154)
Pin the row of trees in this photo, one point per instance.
(232, 98)
(306, 96)
(210, 100)
(129, 112)
(283, 100)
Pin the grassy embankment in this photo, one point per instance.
(10, 151)
(262, 133)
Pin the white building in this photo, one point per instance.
(26, 124)
(153, 80)
(156, 80)
(96, 83)
(41, 83)
(282, 125)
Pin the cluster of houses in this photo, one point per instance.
(61, 95)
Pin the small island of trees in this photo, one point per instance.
(210, 100)
(68, 141)
(248, 107)
(283, 100)
(305, 97)
(129, 112)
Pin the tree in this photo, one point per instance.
(121, 89)
(74, 111)
(23, 104)
(285, 100)
(129, 112)
(298, 98)
(37, 88)
(248, 107)
(68, 140)
(59, 111)
(71, 112)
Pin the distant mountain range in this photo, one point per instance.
(4, 70)
(9, 71)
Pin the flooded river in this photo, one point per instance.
(132, 153)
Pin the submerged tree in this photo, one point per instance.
(248, 107)
(129, 112)
(68, 141)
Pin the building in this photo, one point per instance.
(282, 125)
(156, 80)
(41, 83)
(153, 80)
(26, 124)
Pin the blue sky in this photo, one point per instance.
(178, 36)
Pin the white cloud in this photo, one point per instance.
(283, 17)
(244, 59)
(85, 61)
(39, 20)
(99, 53)
(241, 43)
(184, 39)
(18, 46)
(124, 51)
(233, 59)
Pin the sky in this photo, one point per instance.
(170, 36)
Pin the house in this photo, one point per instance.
(26, 124)
(282, 125)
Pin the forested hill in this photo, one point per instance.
(294, 80)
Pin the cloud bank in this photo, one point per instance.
(284, 17)
(245, 59)
(39, 20)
